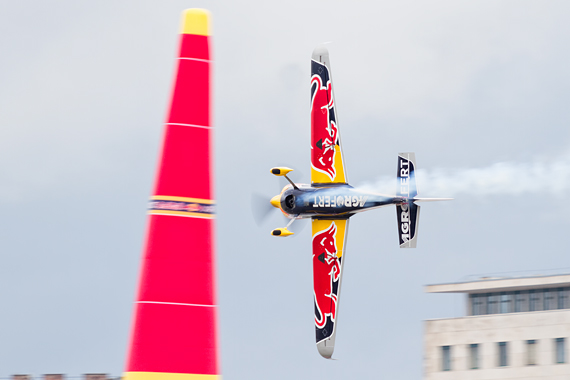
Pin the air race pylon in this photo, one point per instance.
(174, 332)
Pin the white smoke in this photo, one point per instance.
(550, 177)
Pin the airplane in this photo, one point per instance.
(330, 202)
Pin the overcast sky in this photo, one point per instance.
(474, 87)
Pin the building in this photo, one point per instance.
(60, 376)
(514, 328)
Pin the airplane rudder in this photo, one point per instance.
(408, 216)
(406, 177)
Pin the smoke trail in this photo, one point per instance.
(503, 178)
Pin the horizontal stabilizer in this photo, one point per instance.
(431, 199)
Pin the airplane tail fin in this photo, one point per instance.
(408, 213)
(406, 175)
(408, 218)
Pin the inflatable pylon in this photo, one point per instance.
(174, 331)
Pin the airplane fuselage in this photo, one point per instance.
(332, 201)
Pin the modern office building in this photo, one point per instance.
(514, 328)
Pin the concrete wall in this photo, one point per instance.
(487, 331)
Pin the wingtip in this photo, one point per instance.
(196, 21)
(325, 351)
(320, 51)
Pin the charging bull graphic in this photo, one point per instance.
(325, 131)
(326, 275)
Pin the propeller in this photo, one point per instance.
(260, 208)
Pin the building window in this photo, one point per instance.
(534, 300)
(474, 298)
(505, 306)
(502, 354)
(492, 303)
(562, 298)
(446, 358)
(531, 352)
(560, 350)
(548, 299)
(521, 301)
(477, 304)
(474, 356)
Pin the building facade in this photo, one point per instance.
(514, 328)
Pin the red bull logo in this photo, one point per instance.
(325, 131)
(326, 273)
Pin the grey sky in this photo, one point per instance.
(84, 88)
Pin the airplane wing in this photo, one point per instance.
(329, 240)
(327, 163)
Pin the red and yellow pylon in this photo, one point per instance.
(174, 332)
